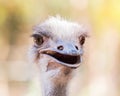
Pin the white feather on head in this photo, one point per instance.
(61, 28)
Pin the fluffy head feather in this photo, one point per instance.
(61, 28)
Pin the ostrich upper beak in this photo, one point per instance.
(65, 53)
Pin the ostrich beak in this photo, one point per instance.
(66, 54)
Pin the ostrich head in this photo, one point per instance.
(57, 49)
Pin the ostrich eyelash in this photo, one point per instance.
(35, 35)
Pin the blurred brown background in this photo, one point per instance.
(99, 75)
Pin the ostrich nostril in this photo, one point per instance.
(76, 47)
(60, 47)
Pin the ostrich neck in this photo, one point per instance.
(54, 90)
(54, 83)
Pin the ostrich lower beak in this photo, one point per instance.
(71, 58)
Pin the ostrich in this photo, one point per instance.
(57, 50)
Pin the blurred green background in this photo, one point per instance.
(99, 75)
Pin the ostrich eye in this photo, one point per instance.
(82, 40)
(38, 40)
